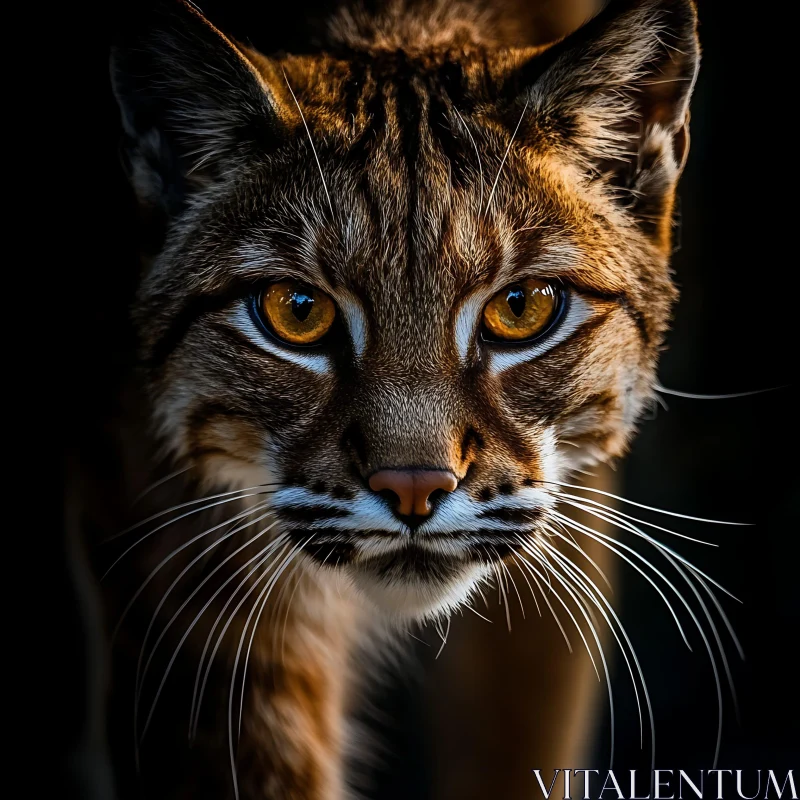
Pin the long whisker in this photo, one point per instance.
(593, 593)
(559, 529)
(667, 553)
(523, 562)
(596, 597)
(514, 584)
(220, 637)
(503, 594)
(170, 522)
(165, 561)
(160, 482)
(608, 516)
(165, 596)
(444, 637)
(534, 551)
(263, 554)
(673, 559)
(692, 396)
(505, 156)
(184, 571)
(606, 542)
(265, 593)
(632, 518)
(255, 627)
(282, 648)
(256, 490)
(311, 142)
(642, 505)
(525, 578)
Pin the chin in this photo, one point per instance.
(406, 588)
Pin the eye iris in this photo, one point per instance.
(521, 311)
(297, 314)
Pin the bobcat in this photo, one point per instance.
(398, 287)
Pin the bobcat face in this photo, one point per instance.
(414, 289)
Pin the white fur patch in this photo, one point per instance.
(418, 599)
(467, 321)
(314, 362)
(356, 321)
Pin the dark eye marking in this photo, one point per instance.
(623, 300)
(194, 307)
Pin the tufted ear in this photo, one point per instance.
(194, 107)
(616, 94)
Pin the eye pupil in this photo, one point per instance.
(516, 300)
(302, 303)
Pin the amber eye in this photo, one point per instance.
(297, 313)
(521, 311)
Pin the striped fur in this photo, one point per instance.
(418, 161)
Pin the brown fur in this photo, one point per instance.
(420, 161)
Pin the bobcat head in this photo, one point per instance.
(410, 286)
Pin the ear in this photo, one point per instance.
(193, 106)
(616, 94)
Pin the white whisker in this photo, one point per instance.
(160, 482)
(534, 551)
(165, 596)
(605, 540)
(194, 721)
(633, 519)
(505, 156)
(311, 142)
(265, 593)
(165, 561)
(168, 523)
(263, 555)
(642, 505)
(549, 605)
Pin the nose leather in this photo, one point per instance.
(413, 487)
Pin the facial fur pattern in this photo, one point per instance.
(418, 162)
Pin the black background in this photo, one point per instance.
(734, 330)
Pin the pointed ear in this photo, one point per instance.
(616, 94)
(193, 105)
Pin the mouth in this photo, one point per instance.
(415, 581)
(414, 578)
(385, 552)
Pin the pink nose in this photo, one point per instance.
(413, 487)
